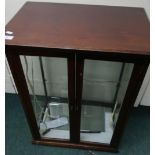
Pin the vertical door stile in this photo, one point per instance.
(79, 86)
(71, 95)
(20, 81)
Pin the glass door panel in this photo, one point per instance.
(104, 87)
(47, 83)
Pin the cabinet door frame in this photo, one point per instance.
(141, 64)
(75, 79)
(13, 54)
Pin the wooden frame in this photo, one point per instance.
(98, 33)
(75, 93)
(138, 74)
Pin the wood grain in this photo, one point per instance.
(81, 27)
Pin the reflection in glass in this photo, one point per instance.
(48, 88)
(104, 87)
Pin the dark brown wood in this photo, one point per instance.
(82, 142)
(81, 27)
(38, 51)
(112, 56)
(20, 81)
(79, 86)
(95, 55)
(106, 148)
(86, 32)
(134, 85)
(71, 95)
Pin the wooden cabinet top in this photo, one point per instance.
(81, 27)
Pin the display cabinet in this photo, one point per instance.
(78, 70)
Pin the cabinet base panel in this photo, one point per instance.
(106, 148)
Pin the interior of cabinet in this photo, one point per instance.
(104, 85)
(49, 95)
(109, 91)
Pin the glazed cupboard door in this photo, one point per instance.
(47, 82)
(101, 88)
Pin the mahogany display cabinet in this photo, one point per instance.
(78, 70)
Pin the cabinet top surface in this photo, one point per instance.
(81, 27)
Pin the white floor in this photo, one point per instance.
(103, 137)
